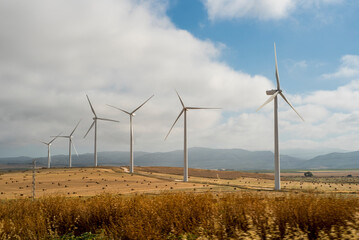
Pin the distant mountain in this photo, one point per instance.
(308, 154)
(206, 158)
(15, 160)
(333, 161)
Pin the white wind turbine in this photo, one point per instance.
(95, 118)
(274, 93)
(184, 111)
(48, 150)
(71, 143)
(132, 114)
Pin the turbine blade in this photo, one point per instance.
(106, 119)
(73, 144)
(276, 68)
(142, 104)
(119, 109)
(43, 142)
(174, 123)
(75, 128)
(93, 110)
(268, 100)
(180, 99)
(201, 108)
(54, 138)
(285, 99)
(93, 123)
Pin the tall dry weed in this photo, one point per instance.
(172, 216)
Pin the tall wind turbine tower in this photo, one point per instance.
(94, 123)
(49, 150)
(274, 93)
(71, 144)
(185, 151)
(131, 114)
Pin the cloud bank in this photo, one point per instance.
(349, 68)
(259, 9)
(122, 52)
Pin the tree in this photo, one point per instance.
(308, 174)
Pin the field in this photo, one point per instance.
(76, 182)
(154, 203)
(92, 181)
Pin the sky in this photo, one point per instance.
(214, 53)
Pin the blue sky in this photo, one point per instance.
(310, 41)
(214, 53)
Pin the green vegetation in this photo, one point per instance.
(181, 216)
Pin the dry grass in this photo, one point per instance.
(83, 182)
(253, 181)
(173, 213)
(183, 216)
(204, 173)
(92, 181)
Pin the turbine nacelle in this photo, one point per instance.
(273, 96)
(272, 92)
(185, 152)
(132, 114)
(94, 123)
(48, 149)
(184, 109)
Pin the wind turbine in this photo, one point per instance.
(132, 114)
(71, 143)
(184, 111)
(95, 118)
(48, 150)
(274, 93)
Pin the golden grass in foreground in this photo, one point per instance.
(183, 215)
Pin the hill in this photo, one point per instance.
(333, 161)
(206, 158)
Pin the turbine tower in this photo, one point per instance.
(274, 93)
(185, 152)
(71, 144)
(95, 118)
(49, 150)
(132, 114)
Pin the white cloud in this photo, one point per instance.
(118, 52)
(349, 68)
(331, 120)
(260, 9)
(301, 64)
(344, 98)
